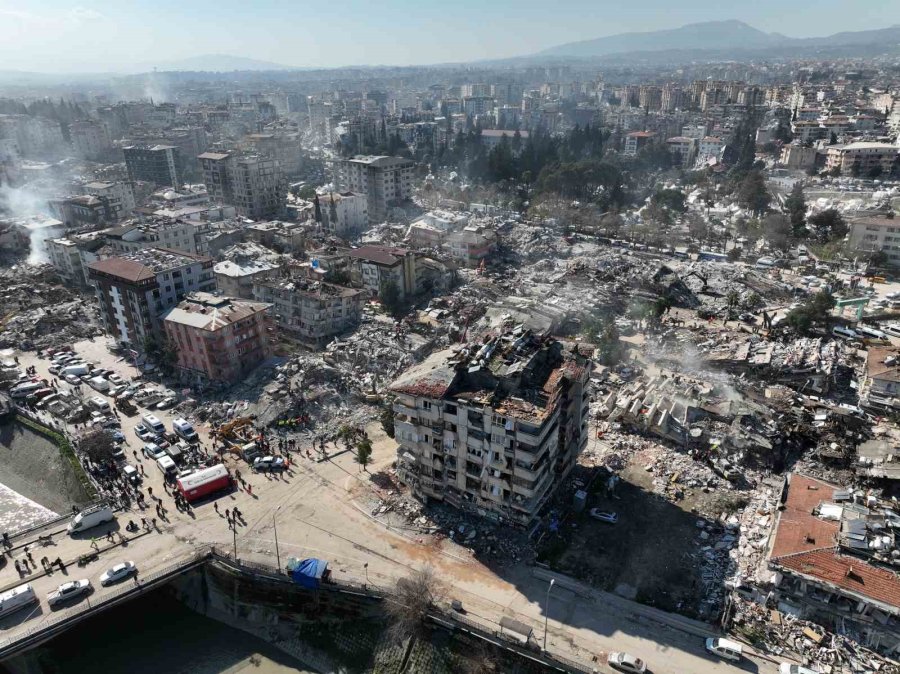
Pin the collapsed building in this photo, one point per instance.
(493, 428)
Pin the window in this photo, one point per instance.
(426, 405)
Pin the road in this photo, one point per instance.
(312, 505)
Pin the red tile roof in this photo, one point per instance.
(798, 529)
(128, 270)
(848, 573)
(807, 545)
(385, 255)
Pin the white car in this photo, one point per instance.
(788, 668)
(626, 663)
(116, 379)
(892, 330)
(117, 573)
(67, 591)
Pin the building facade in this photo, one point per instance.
(253, 184)
(90, 139)
(861, 158)
(493, 428)
(134, 291)
(384, 181)
(876, 233)
(373, 267)
(157, 164)
(219, 339)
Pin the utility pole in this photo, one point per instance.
(234, 534)
(547, 611)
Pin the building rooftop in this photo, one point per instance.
(386, 255)
(144, 264)
(379, 161)
(216, 156)
(499, 133)
(883, 363)
(211, 312)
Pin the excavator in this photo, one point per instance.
(703, 279)
(228, 432)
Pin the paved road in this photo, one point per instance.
(316, 515)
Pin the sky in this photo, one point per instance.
(115, 36)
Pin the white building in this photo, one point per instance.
(344, 213)
(710, 147)
(683, 150)
(386, 181)
(877, 233)
(90, 139)
(861, 158)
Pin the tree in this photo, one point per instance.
(407, 610)
(753, 194)
(815, 311)
(609, 345)
(828, 225)
(387, 417)
(795, 205)
(697, 226)
(670, 199)
(776, 228)
(99, 446)
(390, 297)
(364, 452)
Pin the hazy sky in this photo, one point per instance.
(56, 36)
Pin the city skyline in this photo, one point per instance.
(55, 37)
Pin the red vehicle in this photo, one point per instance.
(204, 482)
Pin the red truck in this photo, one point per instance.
(204, 482)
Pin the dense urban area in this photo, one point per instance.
(605, 353)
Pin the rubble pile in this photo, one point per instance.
(37, 311)
(781, 633)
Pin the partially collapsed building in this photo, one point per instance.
(493, 428)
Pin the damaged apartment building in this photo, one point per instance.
(832, 559)
(493, 428)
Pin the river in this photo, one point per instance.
(155, 633)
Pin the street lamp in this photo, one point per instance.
(366, 567)
(547, 611)
(277, 552)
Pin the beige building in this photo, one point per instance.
(861, 158)
(374, 266)
(876, 233)
(312, 312)
(219, 339)
(472, 244)
(495, 428)
(797, 157)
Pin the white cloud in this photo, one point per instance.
(80, 14)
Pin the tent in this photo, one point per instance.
(310, 572)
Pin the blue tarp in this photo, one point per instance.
(309, 572)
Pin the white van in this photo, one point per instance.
(765, 263)
(871, 333)
(152, 422)
(16, 598)
(725, 648)
(78, 370)
(844, 333)
(183, 428)
(91, 517)
(100, 404)
(167, 466)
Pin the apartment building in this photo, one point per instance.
(862, 158)
(119, 196)
(310, 311)
(219, 339)
(876, 233)
(155, 232)
(81, 212)
(90, 139)
(65, 258)
(253, 184)
(797, 157)
(385, 181)
(637, 140)
(134, 290)
(157, 164)
(472, 244)
(374, 266)
(683, 150)
(493, 428)
(343, 213)
(710, 147)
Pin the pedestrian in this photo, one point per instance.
(134, 578)
(150, 491)
(154, 522)
(94, 544)
(228, 514)
(109, 537)
(249, 489)
(216, 507)
(144, 522)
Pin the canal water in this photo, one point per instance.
(155, 634)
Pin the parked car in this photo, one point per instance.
(892, 330)
(116, 379)
(153, 451)
(72, 379)
(118, 437)
(118, 572)
(166, 403)
(268, 463)
(790, 668)
(604, 515)
(67, 591)
(131, 474)
(626, 663)
(144, 433)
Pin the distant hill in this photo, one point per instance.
(717, 37)
(209, 63)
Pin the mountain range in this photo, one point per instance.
(713, 37)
